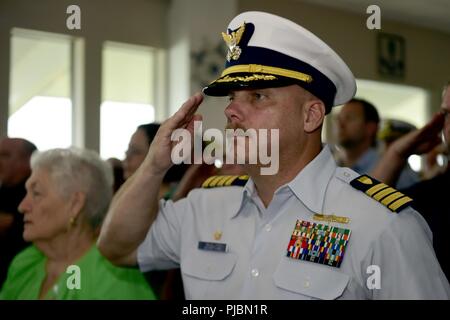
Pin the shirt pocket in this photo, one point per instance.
(209, 265)
(206, 274)
(299, 278)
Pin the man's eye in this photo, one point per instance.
(260, 96)
(230, 98)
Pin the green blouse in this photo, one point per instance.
(98, 279)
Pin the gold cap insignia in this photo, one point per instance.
(232, 41)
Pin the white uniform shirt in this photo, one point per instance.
(256, 265)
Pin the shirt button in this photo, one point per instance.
(268, 227)
(255, 272)
(307, 283)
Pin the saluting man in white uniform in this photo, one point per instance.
(310, 231)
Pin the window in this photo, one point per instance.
(128, 94)
(40, 108)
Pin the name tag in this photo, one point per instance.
(212, 246)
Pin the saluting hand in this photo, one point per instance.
(422, 140)
(159, 154)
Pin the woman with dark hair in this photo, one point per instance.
(167, 284)
(137, 150)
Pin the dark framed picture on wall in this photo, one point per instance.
(391, 52)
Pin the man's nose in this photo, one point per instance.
(234, 111)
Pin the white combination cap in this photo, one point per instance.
(265, 50)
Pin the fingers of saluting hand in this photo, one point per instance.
(428, 137)
(432, 128)
(186, 113)
(436, 124)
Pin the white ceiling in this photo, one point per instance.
(433, 14)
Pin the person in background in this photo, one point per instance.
(391, 130)
(137, 149)
(68, 194)
(167, 284)
(117, 167)
(430, 196)
(357, 126)
(15, 156)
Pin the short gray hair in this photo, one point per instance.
(76, 169)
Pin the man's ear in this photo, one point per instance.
(314, 113)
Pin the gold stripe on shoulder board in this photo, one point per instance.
(225, 181)
(205, 183)
(393, 199)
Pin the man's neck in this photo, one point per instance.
(352, 155)
(290, 166)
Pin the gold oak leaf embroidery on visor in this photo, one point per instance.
(267, 70)
(253, 77)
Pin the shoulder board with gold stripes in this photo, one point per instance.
(225, 181)
(394, 200)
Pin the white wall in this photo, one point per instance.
(140, 22)
(427, 51)
(196, 25)
(183, 26)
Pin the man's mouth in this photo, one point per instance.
(234, 126)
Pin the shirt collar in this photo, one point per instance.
(247, 192)
(308, 186)
(311, 183)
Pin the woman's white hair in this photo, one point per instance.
(79, 170)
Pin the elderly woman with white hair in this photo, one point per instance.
(68, 194)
